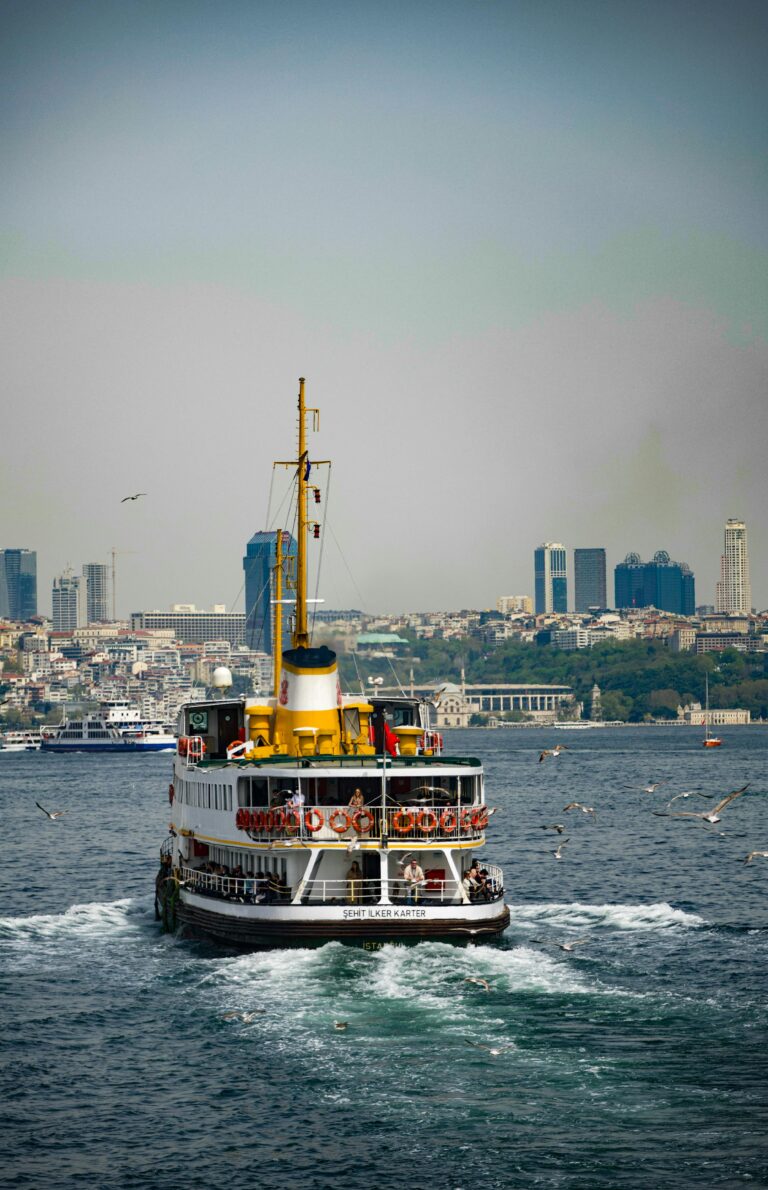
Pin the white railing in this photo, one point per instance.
(329, 823)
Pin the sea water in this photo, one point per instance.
(636, 1060)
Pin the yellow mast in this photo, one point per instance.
(277, 641)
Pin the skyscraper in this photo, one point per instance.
(589, 579)
(660, 583)
(96, 579)
(550, 578)
(18, 584)
(259, 566)
(67, 603)
(734, 591)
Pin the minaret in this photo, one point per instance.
(596, 709)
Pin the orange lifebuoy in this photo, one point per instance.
(423, 824)
(292, 819)
(276, 818)
(402, 822)
(466, 820)
(183, 745)
(314, 819)
(236, 749)
(346, 823)
(357, 821)
(449, 820)
(480, 818)
(243, 819)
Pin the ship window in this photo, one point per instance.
(252, 791)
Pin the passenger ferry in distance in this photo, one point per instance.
(311, 815)
(116, 727)
(20, 741)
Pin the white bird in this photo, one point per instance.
(569, 946)
(483, 983)
(558, 748)
(52, 814)
(558, 853)
(353, 846)
(132, 497)
(651, 787)
(688, 793)
(712, 815)
(578, 806)
(495, 1050)
(554, 826)
(761, 854)
(247, 1017)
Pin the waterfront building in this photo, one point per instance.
(550, 578)
(96, 579)
(589, 579)
(67, 602)
(18, 584)
(660, 583)
(734, 591)
(259, 566)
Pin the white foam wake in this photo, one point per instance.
(89, 920)
(616, 917)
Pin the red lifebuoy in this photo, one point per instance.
(357, 821)
(183, 745)
(424, 825)
(466, 820)
(449, 820)
(243, 819)
(276, 818)
(402, 821)
(292, 819)
(480, 818)
(314, 819)
(346, 821)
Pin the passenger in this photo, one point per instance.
(354, 884)
(414, 878)
(357, 801)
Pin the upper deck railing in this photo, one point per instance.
(325, 824)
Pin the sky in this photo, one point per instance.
(519, 250)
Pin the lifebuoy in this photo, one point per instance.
(183, 745)
(243, 819)
(424, 825)
(466, 820)
(236, 749)
(357, 821)
(402, 821)
(449, 820)
(480, 818)
(346, 821)
(314, 819)
(276, 818)
(256, 820)
(292, 819)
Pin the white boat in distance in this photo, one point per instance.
(311, 815)
(581, 725)
(21, 741)
(116, 727)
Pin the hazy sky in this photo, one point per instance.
(519, 251)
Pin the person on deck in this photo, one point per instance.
(413, 876)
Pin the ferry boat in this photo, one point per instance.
(311, 815)
(116, 727)
(20, 741)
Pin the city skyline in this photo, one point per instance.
(519, 253)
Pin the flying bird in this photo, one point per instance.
(132, 497)
(483, 983)
(762, 854)
(554, 826)
(712, 815)
(236, 1015)
(651, 787)
(558, 748)
(52, 814)
(578, 806)
(495, 1050)
(688, 793)
(558, 853)
(340, 1025)
(569, 946)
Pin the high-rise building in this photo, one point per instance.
(550, 573)
(589, 579)
(96, 579)
(67, 603)
(660, 583)
(259, 566)
(734, 591)
(18, 584)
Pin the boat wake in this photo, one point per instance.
(616, 917)
(90, 920)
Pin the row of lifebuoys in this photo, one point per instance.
(404, 822)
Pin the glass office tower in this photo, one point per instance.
(18, 584)
(259, 566)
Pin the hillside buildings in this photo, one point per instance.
(734, 592)
(550, 572)
(589, 579)
(18, 584)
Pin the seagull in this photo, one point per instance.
(52, 814)
(712, 815)
(578, 806)
(558, 854)
(353, 846)
(483, 983)
(132, 497)
(558, 748)
(762, 854)
(651, 787)
(554, 826)
(235, 1015)
(688, 793)
(569, 946)
(340, 1025)
(495, 1050)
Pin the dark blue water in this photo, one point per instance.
(637, 1060)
